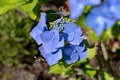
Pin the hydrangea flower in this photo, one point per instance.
(52, 41)
(98, 22)
(73, 53)
(72, 33)
(110, 9)
(76, 49)
(77, 7)
(104, 16)
(39, 28)
(73, 36)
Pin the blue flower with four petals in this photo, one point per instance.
(73, 53)
(72, 33)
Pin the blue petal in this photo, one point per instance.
(39, 28)
(57, 55)
(115, 8)
(78, 37)
(79, 48)
(35, 33)
(53, 58)
(110, 10)
(83, 55)
(72, 33)
(73, 58)
(69, 54)
(51, 41)
(51, 47)
(68, 51)
(43, 17)
(70, 27)
(98, 22)
(43, 52)
(56, 35)
(105, 10)
(91, 2)
(47, 36)
(60, 43)
(76, 8)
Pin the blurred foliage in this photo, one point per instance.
(6, 5)
(15, 41)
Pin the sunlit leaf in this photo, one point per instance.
(91, 52)
(56, 69)
(32, 15)
(6, 5)
(91, 72)
(29, 6)
(107, 76)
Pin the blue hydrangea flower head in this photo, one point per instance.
(39, 28)
(51, 42)
(76, 8)
(98, 22)
(73, 53)
(72, 33)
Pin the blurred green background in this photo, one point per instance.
(15, 41)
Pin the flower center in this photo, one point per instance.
(75, 51)
(59, 24)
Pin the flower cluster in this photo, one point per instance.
(65, 40)
(104, 16)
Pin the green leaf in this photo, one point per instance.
(81, 22)
(56, 69)
(29, 6)
(92, 36)
(6, 5)
(91, 72)
(91, 52)
(62, 68)
(106, 35)
(68, 70)
(32, 15)
(107, 76)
